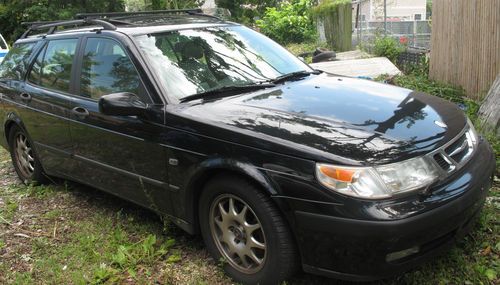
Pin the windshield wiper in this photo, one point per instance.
(227, 90)
(293, 75)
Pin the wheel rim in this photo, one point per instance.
(24, 155)
(238, 233)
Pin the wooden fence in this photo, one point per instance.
(465, 44)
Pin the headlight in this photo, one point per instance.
(378, 182)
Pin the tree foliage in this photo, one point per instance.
(246, 11)
(14, 12)
(291, 22)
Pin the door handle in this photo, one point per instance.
(25, 97)
(80, 112)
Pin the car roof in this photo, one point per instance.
(137, 23)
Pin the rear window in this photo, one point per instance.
(52, 68)
(15, 64)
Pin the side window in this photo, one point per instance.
(107, 69)
(52, 68)
(36, 70)
(16, 62)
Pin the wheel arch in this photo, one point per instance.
(212, 168)
(10, 121)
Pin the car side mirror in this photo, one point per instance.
(122, 104)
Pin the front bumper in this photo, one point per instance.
(358, 249)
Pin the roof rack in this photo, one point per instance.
(52, 26)
(122, 14)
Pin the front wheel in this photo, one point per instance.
(24, 158)
(242, 228)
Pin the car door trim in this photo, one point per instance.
(148, 180)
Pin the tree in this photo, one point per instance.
(135, 5)
(13, 13)
(489, 111)
(172, 4)
(246, 10)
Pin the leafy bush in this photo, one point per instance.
(290, 22)
(388, 47)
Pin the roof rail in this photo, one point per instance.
(122, 14)
(38, 23)
(52, 26)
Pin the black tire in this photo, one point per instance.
(281, 258)
(34, 174)
(324, 56)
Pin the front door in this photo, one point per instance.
(119, 154)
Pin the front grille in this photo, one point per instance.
(442, 162)
(458, 149)
(457, 152)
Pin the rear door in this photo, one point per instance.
(47, 94)
(120, 154)
(42, 100)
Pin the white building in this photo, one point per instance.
(397, 10)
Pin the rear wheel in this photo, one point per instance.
(242, 227)
(24, 158)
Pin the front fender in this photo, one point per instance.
(210, 168)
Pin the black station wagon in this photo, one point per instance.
(278, 166)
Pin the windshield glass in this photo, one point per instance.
(195, 61)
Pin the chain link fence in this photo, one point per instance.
(415, 34)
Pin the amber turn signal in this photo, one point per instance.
(338, 174)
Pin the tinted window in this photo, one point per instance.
(36, 70)
(52, 68)
(15, 63)
(107, 69)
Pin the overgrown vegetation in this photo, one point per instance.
(388, 47)
(327, 6)
(290, 22)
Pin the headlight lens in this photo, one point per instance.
(408, 175)
(380, 181)
(352, 181)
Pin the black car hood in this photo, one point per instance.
(351, 118)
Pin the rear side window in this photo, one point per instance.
(16, 62)
(108, 69)
(52, 68)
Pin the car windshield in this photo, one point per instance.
(196, 61)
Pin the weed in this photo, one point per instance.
(7, 212)
(388, 47)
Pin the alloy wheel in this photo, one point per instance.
(238, 233)
(24, 155)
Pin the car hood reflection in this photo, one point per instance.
(352, 118)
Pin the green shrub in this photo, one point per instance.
(388, 47)
(290, 22)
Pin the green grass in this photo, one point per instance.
(77, 235)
